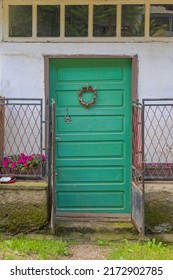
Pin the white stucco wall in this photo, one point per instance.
(0, 20)
(22, 65)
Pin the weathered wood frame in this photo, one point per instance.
(90, 38)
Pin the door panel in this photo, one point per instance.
(88, 124)
(72, 73)
(98, 148)
(92, 200)
(93, 150)
(91, 174)
(111, 97)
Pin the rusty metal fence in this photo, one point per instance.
(158, 139)
(21, 138)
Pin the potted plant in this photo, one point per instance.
(23, 164)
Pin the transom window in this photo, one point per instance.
(99, 20)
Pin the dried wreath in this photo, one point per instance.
(87, 89)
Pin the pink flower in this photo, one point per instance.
(5, 161)
(23, 161)
(23, 157)
(25, 164)
(30, 158)
(13, 165)
(43, 158)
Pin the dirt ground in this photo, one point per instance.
(87, 252)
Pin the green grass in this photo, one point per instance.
(149, 250)
(40, 247)
(23, 248)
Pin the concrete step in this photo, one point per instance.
(92, 231)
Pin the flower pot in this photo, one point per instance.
(34, 171)
(155, 171)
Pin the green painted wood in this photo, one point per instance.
(88, 186)
(93, 151)
(91, 174)
(87, 200)
(106, 98)
(106, 74)
(88, 124)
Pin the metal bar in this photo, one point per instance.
(34, 100)
(41, 134)
(143, 144)
(53, 170)
(159, 178)
(157, 99)
(12, 104)
(157, 105)
(5, 98)
(143, 168)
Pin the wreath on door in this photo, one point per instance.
(93, 100)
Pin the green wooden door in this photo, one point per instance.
(93, 145)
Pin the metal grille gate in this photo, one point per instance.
(137, 187)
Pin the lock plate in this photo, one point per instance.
(67, 118)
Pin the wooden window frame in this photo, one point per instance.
(90, 38)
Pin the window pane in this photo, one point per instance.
(48, 21)
(76, 21)
(104, 22)
(20, 21)
(132, 20)
(161, 20)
